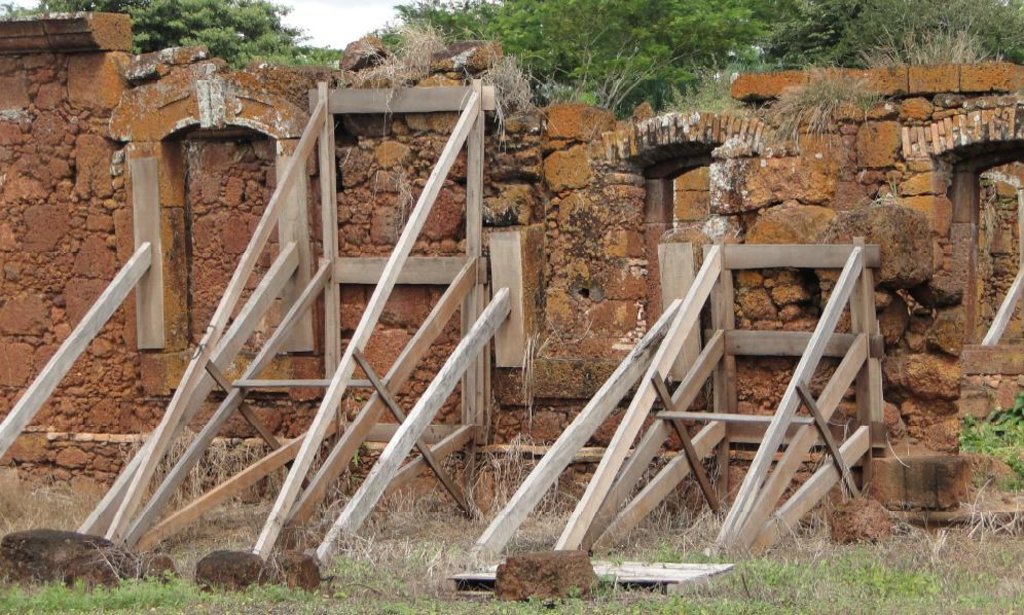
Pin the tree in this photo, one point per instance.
(611, 52)
(240, 31)
(848, 32)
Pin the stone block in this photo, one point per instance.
(545, 575)
(231, 570)
(577, 122)
(567, 170)
(917, 109)
(923, 183)
(934, 79)
(67, 32)
(991, 77)
(16, 366)
(790, 224)
(47, 556)
(929, 482)
(902, 233)
(95, 80)
(751, 87)
(939, 210)
(92, 161)
(13, 92)
(691, 205)
(877, 144)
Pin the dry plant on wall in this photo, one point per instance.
(929, 48)
(409, 61)
(709, 93)
(816, 107)
(512, 92)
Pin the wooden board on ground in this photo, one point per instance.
(670, 578)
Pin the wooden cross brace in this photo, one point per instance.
(243, 408)
(696, 464)
(396, 410)
(826, 436)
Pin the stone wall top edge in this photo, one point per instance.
(66, 32)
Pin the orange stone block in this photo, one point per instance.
(765, 86)
(578, 122)
(934, 79)
(991, 77)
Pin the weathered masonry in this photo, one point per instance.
(155, 172)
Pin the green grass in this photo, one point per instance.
(917, 573)
(1000, 435)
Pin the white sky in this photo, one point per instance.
(329, 23)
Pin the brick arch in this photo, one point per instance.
(203, 97)
(966, 133)
(678, 135)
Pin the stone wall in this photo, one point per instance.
(594, 196)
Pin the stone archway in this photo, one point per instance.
(154, 119)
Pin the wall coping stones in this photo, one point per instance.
(66, 32)
(981, 78)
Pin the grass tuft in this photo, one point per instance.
(933, 47)
(816, 107)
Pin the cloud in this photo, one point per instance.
(335, 23)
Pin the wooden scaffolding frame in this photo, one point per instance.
(609, 509)
(130, 514)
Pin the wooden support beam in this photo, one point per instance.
(475, 393)
(248, 318)
(675, 263)
(293, 226)
(696, 463)
(811, 492)
(785, 469)
(438, 270)
(149, 295)
(654, 438)
(633, 420)
(421, 443)
(359, 428)
(826, 436)
(663, 483)
(328, 169)
(708, 417)
(195, 372)
(1006, 311)
(771, 256)
(457, 440)
(407, 100)
(794, 343)
(71, 348)
(747, 494)
(243, 408)
(507, 272)
(387, 465)
(561, 453)
(293, 384)
(374, 307)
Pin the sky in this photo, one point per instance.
(329, 23)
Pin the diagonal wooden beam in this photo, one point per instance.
(359, 428)
(71, 348)
(633, 420)
(376, 482)
(826, 437)
(447, 446)
(696, 462)
(313, 439)
(421, 444)
(800, 444)
(558, 457)
(812, 491)
(659, 487)
(748, 491)
(243, 408)
(201, 442)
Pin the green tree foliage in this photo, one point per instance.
(611, 52)
(845, 32)
(240, 31)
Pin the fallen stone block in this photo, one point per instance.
(546, 575)
(47, 556)
(861, 519)
(297, 570)
(231, 571)
(927, 482)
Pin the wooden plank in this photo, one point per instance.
(149, 295)
(259, 302)
(329, 232)
(475, 402)
(561, 453)
(195, 372)
(659, 487)
(826, 436)
(71, 348)
(250, 417)
(293, 226)
(753, 433)
(793, 344)
(769, 256)
(507, 272)
(1006, 310)
(376, 482)
(457, 440)
(708, 417)
(437, 270)
(407, 100)
(723, 318)
(654, 438)
(782, 477)
(421, 444)
(361, 427)
(374, 307)
(811, 492)
(633, 420)
(696, 465)
(747, 494)
(675, 263)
